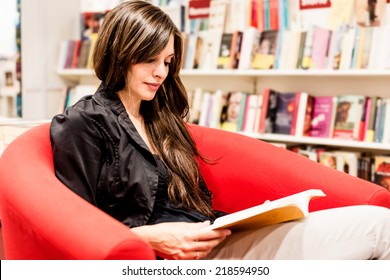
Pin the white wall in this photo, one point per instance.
(44, 24)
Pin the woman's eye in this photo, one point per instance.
(167, 63)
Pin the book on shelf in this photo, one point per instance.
(225, 51)
(250, 42)
(331, 160)
(195, 103)
(341, 13)
(252, 109)
(365, 169)
(206, 107)
(264, 55)
(308, 154)
(382, 171)
(268, 111)
(348, 115)
(321, 38)
(348, 162)
(232, 119)
(285, 110)
(302, 122)
(217, 16)
(304, 52)
(323, 116)
(236, 49)
(281, 210)
(370, 119)
(209, 48)
(370, 13)
(335, 46)
(90, 22)
(290, 49)
(314, 12)
(385, 127)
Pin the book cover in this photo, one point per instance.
(205, 111)
(268, 111)
(369, 13)
(217, 16)
(285, 209)
(250, 41)
(193, 41)
(231, 116)
(365, 168)
(364, 57)
(347, 45)
(219, 99)
(331, 160)
(371, 110)
(304, 115)
(386, 122)
(284, 14)
(349, 162)
(378, 120)
(335, 46)
(251, 109)
(90, 23)
(348, 115)
(209, 50)
(84, 53)
(225, 51)
(308, 154)
(341, 13)
(322, 116)
(284, 112)
(257, 14)
(382, 171)
(195, 105)
(289, 50)
(236, 49)
(264, 54)
(312, 13)
(320, 47)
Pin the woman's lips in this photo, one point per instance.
(153, 86)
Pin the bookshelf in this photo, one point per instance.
(318, 82)
(48, 23)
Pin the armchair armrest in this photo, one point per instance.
(42, 219)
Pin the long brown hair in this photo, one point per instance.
(131, 33)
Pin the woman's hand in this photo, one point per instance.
(181, 241)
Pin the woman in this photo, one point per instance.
(126, 150)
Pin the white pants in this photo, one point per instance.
(354, 232)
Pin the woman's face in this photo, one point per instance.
(144, 79)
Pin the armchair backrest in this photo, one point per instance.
(43, 219)
(249, 171)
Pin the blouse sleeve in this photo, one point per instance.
(76, 152)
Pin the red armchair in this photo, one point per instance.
(42, 219)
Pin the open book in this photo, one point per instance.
(285, 209)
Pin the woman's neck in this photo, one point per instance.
(132, 106)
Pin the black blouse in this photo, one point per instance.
(164, 210)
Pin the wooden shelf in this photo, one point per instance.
(77, 73)
(361, 145)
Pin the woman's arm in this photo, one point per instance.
(76, 152)
(180, 240)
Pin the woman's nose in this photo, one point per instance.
(161, 70)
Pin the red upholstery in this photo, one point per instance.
(250, 171)
(42, 219)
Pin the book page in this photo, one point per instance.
(281, 210)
